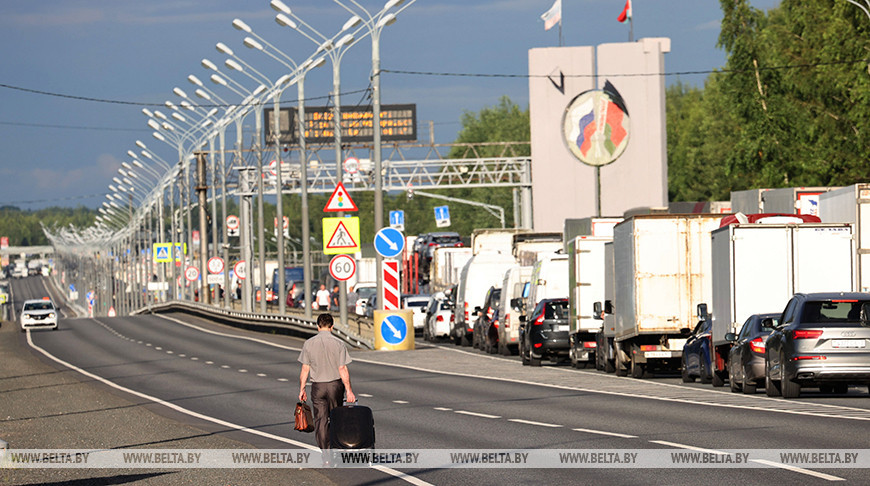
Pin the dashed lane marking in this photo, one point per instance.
(532, 422)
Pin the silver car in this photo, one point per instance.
(822, 341)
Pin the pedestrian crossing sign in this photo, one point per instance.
(162, 252)
(341, 235)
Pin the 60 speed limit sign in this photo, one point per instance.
(342, 267)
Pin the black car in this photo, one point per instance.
(544, 332)
(823, 340)
(697, 356)
(481, 337)
(746, 358)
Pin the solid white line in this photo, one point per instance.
(780, 465)
(530, 422)
(601, 432)
(398, 474)
(476, 414)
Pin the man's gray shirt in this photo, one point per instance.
(324, 353)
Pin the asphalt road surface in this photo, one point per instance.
(242, 385)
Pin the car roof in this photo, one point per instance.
(835, 295)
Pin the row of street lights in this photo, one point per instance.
(146, 181)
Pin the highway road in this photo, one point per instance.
(243, 384)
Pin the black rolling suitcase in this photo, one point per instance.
(352, 427)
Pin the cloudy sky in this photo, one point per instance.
(75, 74)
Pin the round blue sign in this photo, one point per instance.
(393, 329)
(389, 242)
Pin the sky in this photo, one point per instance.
(75, 74)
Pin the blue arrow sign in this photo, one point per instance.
(72, 288)
(397, 218)
(394, 329)
(389, 242)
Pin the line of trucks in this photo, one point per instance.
(637, 285)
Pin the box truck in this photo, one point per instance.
(484, 270)
(661, 271)
(794, 200)
(510, 308)
(526, 247)
(585, 287)
(851, 204)
(447, 263)
(758, 267)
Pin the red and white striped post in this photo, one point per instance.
(391, 285)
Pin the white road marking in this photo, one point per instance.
(531, 422)
(283, 379)
(158, 348)
(443, 409)
(209, 362)
(602, 432)
(365, 395)
(225, 366)
(400, 402)
(243, 371)
(398, 474)
(477, 414)
(169, 352)
(261, 374)
(194, 358)
(780, 465)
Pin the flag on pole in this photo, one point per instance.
(626, 12)
(553, 16)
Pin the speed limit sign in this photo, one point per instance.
(342, 267)
(191, 274)
(215, 265)
(239, 269)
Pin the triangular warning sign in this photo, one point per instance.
(340, 238)
(340, 201)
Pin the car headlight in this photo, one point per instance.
(51, 315)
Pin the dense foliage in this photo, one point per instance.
(23, 228)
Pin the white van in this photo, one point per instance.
(549, 280)
(484, 270)
(510, 308)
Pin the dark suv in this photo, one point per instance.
(544, 332)
(822, 341)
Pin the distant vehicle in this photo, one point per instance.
(38, 314)
(697, 353)
(364, 293)
(486, 326)
(426, 244)
(294, 278)
(746, 359)
(544, 332)
(416, 303)
(822, 341)
(510, 308)
(439, 316)
(483, 271)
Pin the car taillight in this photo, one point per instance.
(465, 304)
(589, 344)
(507, 320)
(801, 358)
(757, 345)
(495, 323)
(649, 347)
(539, 320)
(439, 318)
(489, 312)
(802, 334)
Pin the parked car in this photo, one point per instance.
(439, 317)
(746, 357)
(544, 332)
(697, 356)
(38, 313)
(416, 303)
(821, 341)
(485, 335)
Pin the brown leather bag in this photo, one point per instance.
(304, 421)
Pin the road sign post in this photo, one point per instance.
(442, 216)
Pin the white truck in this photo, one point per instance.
(484, 270)
(661, 272)
(585, 287)
(526, 247)
(494, 239)
(851, 204)
(785, 200)
(510, 308)
(447, 263)
(757, 267)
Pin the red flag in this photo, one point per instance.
(626, 12)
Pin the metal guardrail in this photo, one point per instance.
(297, 324)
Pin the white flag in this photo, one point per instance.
(553, 16)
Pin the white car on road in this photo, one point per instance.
(38, 313)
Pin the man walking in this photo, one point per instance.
(324, 358)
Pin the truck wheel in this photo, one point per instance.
(637, 369)
(619, 367)
(533, 361)
(718, 382)
(749, 387)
